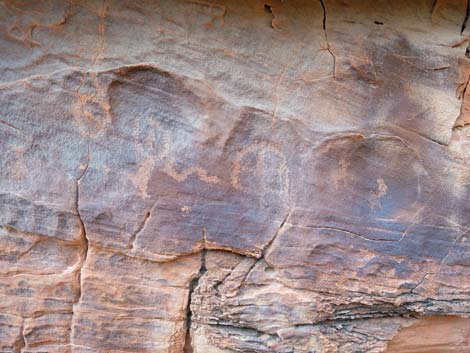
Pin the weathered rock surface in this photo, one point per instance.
(234, 176)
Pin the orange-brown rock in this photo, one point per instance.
(234, 176)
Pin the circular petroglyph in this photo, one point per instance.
(377, 175)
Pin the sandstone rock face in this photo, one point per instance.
(234, 176)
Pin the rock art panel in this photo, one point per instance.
(234, 176)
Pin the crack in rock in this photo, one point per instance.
(467, 13)
(132, 239)
(193, 285)
(84, 245)
(328, 47)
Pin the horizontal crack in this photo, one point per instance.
(347, 232)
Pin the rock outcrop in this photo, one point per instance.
(234, 176)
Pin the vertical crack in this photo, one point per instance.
(83, 243)
(278, 85)
(328, 47)
(194, 284)
(188, 346)
(102, 14)
(130, 244)
(464, 23)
